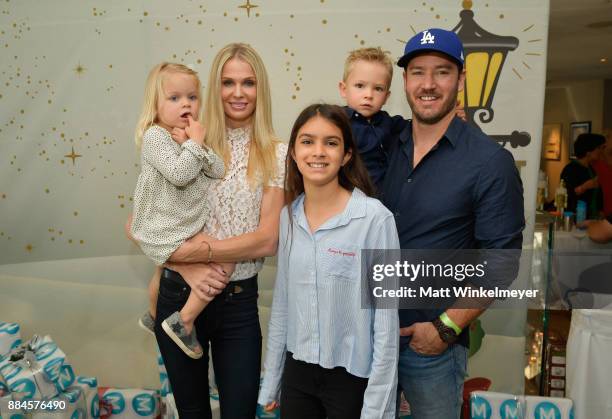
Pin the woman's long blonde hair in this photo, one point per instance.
(154, 91)
(262, 152)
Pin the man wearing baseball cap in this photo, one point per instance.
(449, 187)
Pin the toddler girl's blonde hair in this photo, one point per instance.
(154, 91)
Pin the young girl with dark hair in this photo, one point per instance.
(327, 357)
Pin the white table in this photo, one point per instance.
(579, 263)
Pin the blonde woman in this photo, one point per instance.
(177, 170)
(243, 227)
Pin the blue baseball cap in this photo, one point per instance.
(434, 39)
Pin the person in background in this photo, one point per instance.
(579, 175)
(600, 231)
(603, 169)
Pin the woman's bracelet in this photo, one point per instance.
(210, 253)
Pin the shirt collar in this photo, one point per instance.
(453, 132)
(239, 134)
(355, 208)
(354, 115)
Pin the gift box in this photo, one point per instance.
(26, 379)
(492, 405)
(53, 361)
(128, 403)
(9, 337)
(37, 370)
(89, 388)
(81, 401)
(69, 404)
(548, 407)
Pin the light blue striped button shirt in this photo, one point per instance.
(316, 311)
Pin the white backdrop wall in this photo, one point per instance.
(73, 75)
(71, 86)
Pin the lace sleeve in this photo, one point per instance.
(278, 180)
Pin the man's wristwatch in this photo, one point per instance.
(447, 334)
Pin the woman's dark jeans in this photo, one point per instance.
(230, 323)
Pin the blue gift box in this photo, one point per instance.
(36, 370)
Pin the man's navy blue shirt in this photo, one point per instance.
(466, 193)
(372, 138)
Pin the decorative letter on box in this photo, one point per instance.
(548, 407)
(491, 405)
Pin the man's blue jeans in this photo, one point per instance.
(433, 385)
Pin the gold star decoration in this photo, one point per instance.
(73, 156)
(79, 70)
(248, 6)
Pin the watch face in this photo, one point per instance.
(449, 337)
(446, 333)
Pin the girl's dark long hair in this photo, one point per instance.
(352, 175)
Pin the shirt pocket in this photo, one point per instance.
(340, 260)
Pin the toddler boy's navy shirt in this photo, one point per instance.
(372, 138)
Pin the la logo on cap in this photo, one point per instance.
(427, 38)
